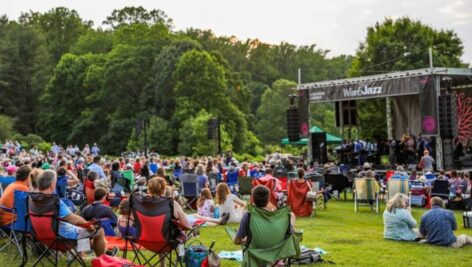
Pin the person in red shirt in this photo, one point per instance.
(137, 166)
(22, 183)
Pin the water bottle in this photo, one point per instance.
(216, 213)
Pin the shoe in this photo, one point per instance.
(113, 252)
(224, 218)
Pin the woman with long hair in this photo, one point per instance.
(398, 222)
(229, 203)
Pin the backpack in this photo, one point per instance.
(307, 257)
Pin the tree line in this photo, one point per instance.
(73, 83)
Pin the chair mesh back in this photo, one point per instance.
(232, 178)
(440, 187)
(189, 185)
(153, 221)
(397, 186)
(365, 188)
(43, 211)
(245, 185)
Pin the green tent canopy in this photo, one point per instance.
(331, 139)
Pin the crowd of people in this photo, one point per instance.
(94, 188)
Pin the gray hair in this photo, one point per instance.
(46, 179)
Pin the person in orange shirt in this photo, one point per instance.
(22, 183)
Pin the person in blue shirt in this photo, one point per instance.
(95, 167)
(438, 226)
(68, 225)
(398, 222)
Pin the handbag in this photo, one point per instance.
(212, 260)
(310, 196)
(195, 254)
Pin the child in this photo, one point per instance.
(205, 204)
(125, 214)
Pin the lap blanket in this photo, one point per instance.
(296, 198)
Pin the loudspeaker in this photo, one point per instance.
(448, 150)
(447, 111)
(319, 147)
(212, 128)
(303, 116)
(293, 131)
(346, 113)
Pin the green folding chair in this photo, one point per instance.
(282, 244)
(245, 185)
(129, 175)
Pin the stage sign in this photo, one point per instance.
(367, 89)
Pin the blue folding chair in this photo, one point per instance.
(189, 189)
(232, 181)
(153, 168)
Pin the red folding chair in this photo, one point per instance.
(43, 210)
(156, 231)
(297, 198)
(271, 185)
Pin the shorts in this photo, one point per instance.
(85, 233)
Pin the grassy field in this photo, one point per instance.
(351, 239)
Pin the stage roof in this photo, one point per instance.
(381, 85)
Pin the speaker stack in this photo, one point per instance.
(447, 111)
(212, 128)
(319, 147)
(293, 129)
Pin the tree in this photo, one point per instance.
(160, 137)
(398, 45)
(24, 72)
(94, 41)
(137, 15)
(65, 98)
(61, 26)
(271, 124)
(6, 129)
(160, 90)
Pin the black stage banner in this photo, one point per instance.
(368, 89)
(428, 106)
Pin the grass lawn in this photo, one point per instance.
(351, 239)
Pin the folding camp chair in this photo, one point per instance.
(467, 212)
(213, 180)
(297, 198)
(153, 168)
(245, 185)
(189, 189)
(440, 188)
(318, 185)
(129, 175)
(43, 210)
(156, 231)
(282, 244)
(232, 181)
(366, 189)
(20, 231)
(395, 186)
(270, 184)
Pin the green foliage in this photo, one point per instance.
(160, 137)
(62, 28)
(272, 123)
(137, 15)
(194, 136)
(24, 72)
(28, 141)
(6, 127)
(44, 147)
(94, 41)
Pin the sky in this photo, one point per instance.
(335, 25)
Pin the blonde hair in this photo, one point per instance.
(398, 201)
(222, 191)
(157, 187)
(33, 175)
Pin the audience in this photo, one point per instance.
(98, 211)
